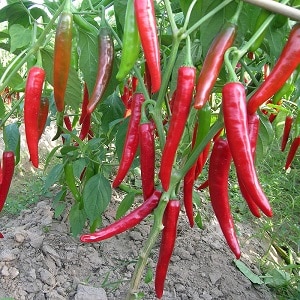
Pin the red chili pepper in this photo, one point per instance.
(287, 62)
(253, 129)
(32, 103)
(68, 123)
(84, 105)
(43, 115)
(218, 172)
(188, 184)
(127, 222)
(8, 167)
(131, 140)
(202, 159)
(168, 239)
(85, 127)
(213, 64)
(147, 158)
(286, 131)
(105, 64)
(62, 58)
(1, 236)
(203, 185)
(292, 152)
(146, 23)
(181, 109)
(236, 125)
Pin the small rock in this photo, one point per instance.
(47, 249)
(5, 271)
(47, 277)
(36, 240)
(180, 287)
(14, 272)
(214, 277)
(87, 292)
(136, 236)
(19, 237)
(8, 255)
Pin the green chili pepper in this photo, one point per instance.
(131, 42)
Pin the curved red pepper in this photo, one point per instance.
(292, 152)
(131, 140)
(62, 58)
(168, 239)
(180, 113)
(8, 167)
(213, 64)
(146, 23)
(284, 67)
(147, 158)
(105, 64)
(218, 172)
(43, 115)
(236, 125)
(253, 130)
(126, 222)
(188, 184)
(32, 103)
(84, 104)
(286, 131)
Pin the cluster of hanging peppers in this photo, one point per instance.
(232, 138)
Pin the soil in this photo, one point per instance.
(40, 259)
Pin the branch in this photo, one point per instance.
(277, 7)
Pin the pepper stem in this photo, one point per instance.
(188, 57)
(152, 238)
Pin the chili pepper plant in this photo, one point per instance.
(153, 98)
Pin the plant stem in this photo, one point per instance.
(242, 51)
(277, 7)
(7, 116)
(197, 150)
(206, 17)
(39, 42)
(188, 15)
(171, 17)
(143, 258)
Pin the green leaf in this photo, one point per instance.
(11, 136)
(96, 196)
(247, 272)
(120, 8)
(125, 205)
(19, 37)
(277, 278)
(265, 136)
(2, 108)
(211, 28)
(88, 58)
(77, 218)
(113, 109)
(54, 175)
(198, 220)
(59, 209)
(148, 275)
(120, 137)
(16, 83)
